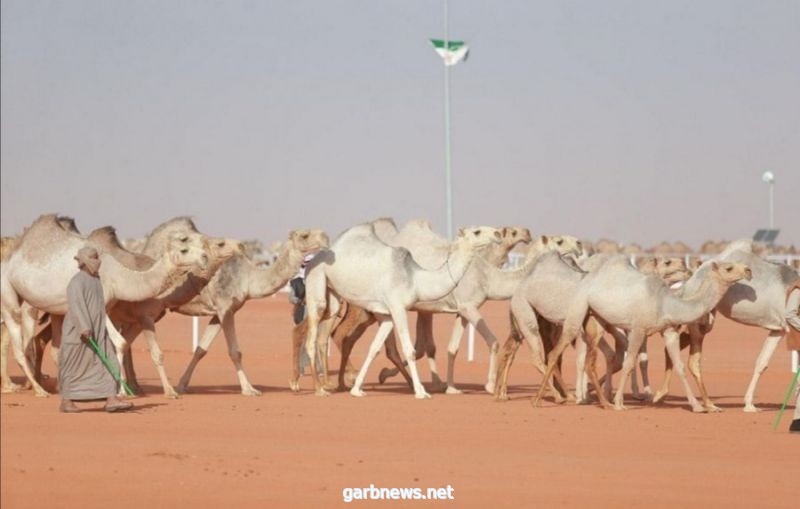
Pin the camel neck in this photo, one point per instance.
(135, 286)
(266, 281)
(682, 309)
(435, 284)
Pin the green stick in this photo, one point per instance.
(786, 399)
(108, 366)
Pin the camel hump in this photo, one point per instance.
(180, 222)
(106, 236)
(745, 245)
(68, 223)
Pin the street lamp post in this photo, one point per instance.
(769, 178)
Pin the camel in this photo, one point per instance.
(239, 280)
(134, 318)
(36, 275)
(384, 280)
(6, 246)
(483, 281)
(759, 301)
(618, 295)
(356, 319)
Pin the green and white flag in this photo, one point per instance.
(455, 52)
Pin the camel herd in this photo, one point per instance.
(376, 273)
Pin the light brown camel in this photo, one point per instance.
(36, 275)
(386, 281)
(759, 302)
(239, 280)
(620, 296)
(134, 318)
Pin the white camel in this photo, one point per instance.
(384, 280)
(620, 296)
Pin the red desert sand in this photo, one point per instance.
(217, 448)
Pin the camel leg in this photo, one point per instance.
(452, 350)
(614, 362)
(400, 319)
(762, 363)
(672, 344)
(593, 335)
(581, 375)
(122, 348)
(696, 369)
(323, 339)
(19, 348)
(664, 389)
(383, 331)
(229, 329)
(477, 321)
(298, 334)
(424, 345)
(5, 342)
(635, 339)
(209, 334)
(504, 361)
(149, 329)
(642, 361)
(130, 333)
(348, 340)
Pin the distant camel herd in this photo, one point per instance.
(564, 292)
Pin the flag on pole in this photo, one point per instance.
(455, 52)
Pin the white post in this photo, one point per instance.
(470, 343)
(772, 204)
(447, 169)
(195, 332)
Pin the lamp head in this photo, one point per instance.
(768, 177)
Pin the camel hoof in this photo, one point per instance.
(422, 395)
(713, 408)
(698, 409)
(321, 392)
(658, 397)
(620, 407)
(501, 397)
(384, 374)
(358, 393)
(11, 388)
(42, 394)
(181, 389)
(170, 394)
(331, 387)
(751, 409)
(490, 387)
(294, 385)
(251, 391)
(452, 390)
(438, 387)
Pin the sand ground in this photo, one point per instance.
(216, 448)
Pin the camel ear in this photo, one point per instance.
(545, 239)
(715, 266)
(504, 231)
(461, 232)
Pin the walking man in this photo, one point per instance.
(82, 375)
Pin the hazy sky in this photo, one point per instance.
(636, 120)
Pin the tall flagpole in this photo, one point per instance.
(447, 169)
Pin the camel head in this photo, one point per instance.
(308, 241)
(730, 272)
(565, 245)
(222, 248)
(478, 236)
(672, 270)
(513, 235)
(188, 252)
